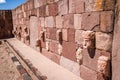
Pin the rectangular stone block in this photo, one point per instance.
(106, 21)
(53, 9)
(63, 7)
(65, 34)
(50, 21)
(103, 41)
(42, 22)
(109, 5)
(69, 50)
(77, 21)
(53, 33)
(89, 5)
(71, 35)
(42, 11)
(37, 3)
(47, 33)
(76, 6)
(54, 46)
(90, 58)
(59, 21)
(90, 21)
(70, 65)
(68, 21)
(87, 74)
(31, 4)
(78, 36)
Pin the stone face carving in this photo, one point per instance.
(88, 39)
(79, 55)
(103, 65)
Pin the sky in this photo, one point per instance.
(10, 4)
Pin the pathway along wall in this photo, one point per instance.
(76, 34)
(6, 25)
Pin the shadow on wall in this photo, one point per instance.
(6, 25)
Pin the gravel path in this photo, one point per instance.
(8, 70)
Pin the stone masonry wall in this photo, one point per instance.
(76, 34)
(6, 25)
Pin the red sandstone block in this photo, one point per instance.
(37, 3)
(25, 7)
(59, 21)
(43, 44)
(53, 9)
(48, 33)
(51, 56)
(53, 33)
(77, 21)
(90, 58)
(90, 20)
(76, 6)
(42, 11)
(50, 21)
(54, 46)
(87, 74)
(78, 36)
(63, 7)
(69, 50)
(68, 21)
(109, 4)
(65, 34)
(71, 35)
(106, 21)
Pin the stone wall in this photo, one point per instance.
(6, 25)
(76, 34)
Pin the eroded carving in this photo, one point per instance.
(88, 39)
(103, 65)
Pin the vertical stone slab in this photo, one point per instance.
(33, 30)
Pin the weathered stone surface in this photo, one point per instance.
(87, 74)
(99, 5)
(42, 11)
(77, 21)
(69, 50)
(90, 20)
(78, 36)
(76, 6)
(90, 58)
(70, 65)
(68, 21)
(103, 41)
(50, 21)
(53, 9)
(106, 21)
(89, 5)
(54, 46)
(109, 4)
(42, 22)
(50, 1)
(59, 21)
(65, 34)
(63, 7)
(71, 35)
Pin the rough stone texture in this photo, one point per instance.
(90, 20)
(77, 21)
(103, 41)
(76, 6)
(59, 21)
(42, 22)
(106, 22)
(87, 74)
(71, 35)
(78, 37)
(116, 50)
(70, 65)
(68, 21)
(50, 21)
(53, 9)
(69, 50)
(54, 46)
(65, 34)
(90, 58)
(63, 7)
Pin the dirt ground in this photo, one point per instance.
(8, 69)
